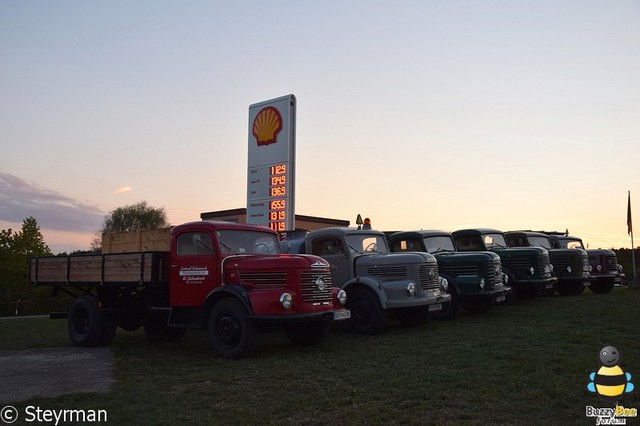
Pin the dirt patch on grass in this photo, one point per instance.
(52, 372)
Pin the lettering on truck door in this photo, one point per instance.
(194, 270)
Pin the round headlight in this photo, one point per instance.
(432, 274)
(505, 279)
(286, 301)
(444, 284)
(482, 283)
(599, 268)
(411, 289)
(620, 268)
(569, 269)
(342, 297)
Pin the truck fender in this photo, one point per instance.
(373, 285)
(219, 293)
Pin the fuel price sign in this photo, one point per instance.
(271, 171)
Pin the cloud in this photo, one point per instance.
(123, 189)
(20, 199)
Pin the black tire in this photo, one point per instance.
(602, 286)
(231, 333)
(86, 322)
(367, 316)
(413, 317)
(308, 334)
(477, 305)
(450, 310)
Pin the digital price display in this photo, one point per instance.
(270, 181)
(277, 193)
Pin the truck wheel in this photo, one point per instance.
(478, 305)
(449, 310)
(230, 331)
(413, 317)
(308, 334)
(86, 323)
(367, 316)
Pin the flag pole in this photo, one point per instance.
(630, 232)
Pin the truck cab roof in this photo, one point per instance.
(213, 225)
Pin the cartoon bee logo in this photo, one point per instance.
(610, 381)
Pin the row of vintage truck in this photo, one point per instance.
(235, 280)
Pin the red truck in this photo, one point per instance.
(227, 278)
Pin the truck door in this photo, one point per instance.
(332, 250)
(193, 270)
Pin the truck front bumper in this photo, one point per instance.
(432, 302)
(284, 319)
(544, 283)
(498, 294)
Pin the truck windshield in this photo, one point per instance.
(233, 241)
(438, 244)
(367, 243)
(540, 242)
(494, 241)
(571, 244)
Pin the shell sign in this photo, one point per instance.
(271, 131)
(267, 125)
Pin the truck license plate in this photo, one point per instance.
(435, 307)
(341, 315)
(501, 299)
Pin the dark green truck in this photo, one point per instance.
(476, 280)
(570, 266)
(605, 270)
(528, 268)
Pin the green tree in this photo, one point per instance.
(131, 218)
(15, 251)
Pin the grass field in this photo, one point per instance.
(528, 363)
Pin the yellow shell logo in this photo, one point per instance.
(266, 125)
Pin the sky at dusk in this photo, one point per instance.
(418, 114)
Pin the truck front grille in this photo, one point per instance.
(397, 272)
(264, 280)
(561, 261)
(309, 288)
(518, 263)
(429, 276)
(494, 274)
(610, 263)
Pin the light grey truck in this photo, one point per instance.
(379, 284)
